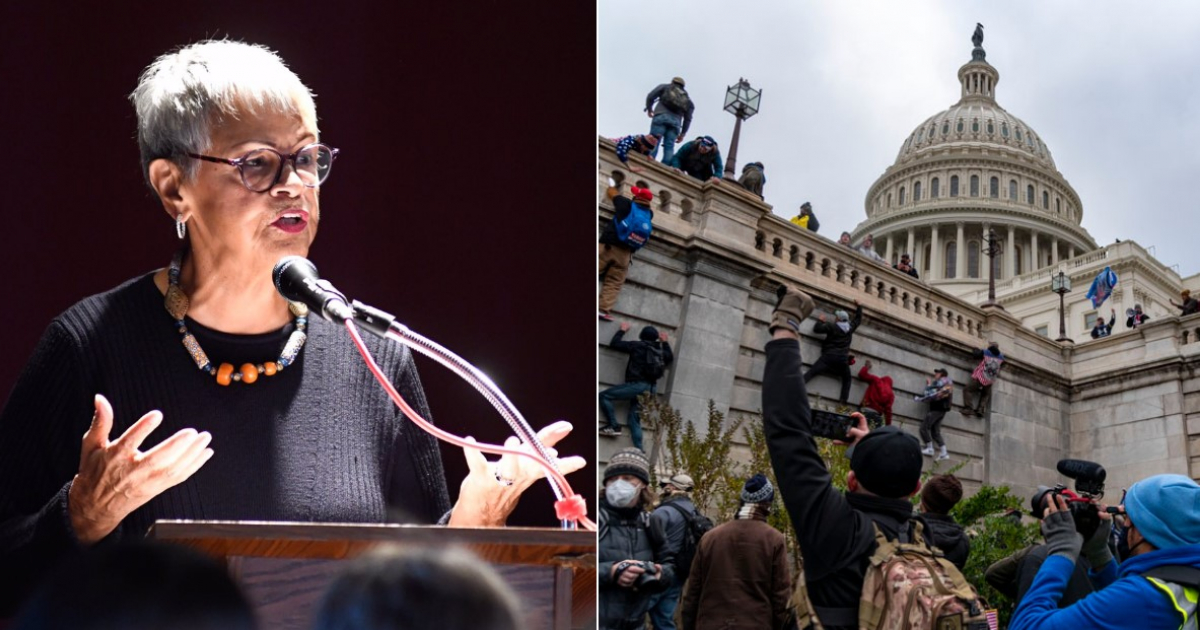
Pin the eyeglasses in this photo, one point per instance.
(262, 168)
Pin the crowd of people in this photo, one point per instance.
(1131, 565)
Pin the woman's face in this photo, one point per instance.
(228, 220)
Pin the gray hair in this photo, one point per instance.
(184, 93)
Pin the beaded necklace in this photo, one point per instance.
(176, 302)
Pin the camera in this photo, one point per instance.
(650, 581)
(1089, 487)
(827, 424)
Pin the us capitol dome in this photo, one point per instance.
(968, 169)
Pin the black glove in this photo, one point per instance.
(1095, 549)
(1061, 537)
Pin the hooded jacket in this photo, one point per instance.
(837, 343)
(947, 535)
(636, 371)
(879, 395)
(1126, 600)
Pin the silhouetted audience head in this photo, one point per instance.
(138, 586)
(418, 589)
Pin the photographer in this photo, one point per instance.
(1163, 534)
(835, 531)
(633, 561)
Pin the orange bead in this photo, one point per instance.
(224, 373)
(249, 373)
(269, 368)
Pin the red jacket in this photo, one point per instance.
(879, 394)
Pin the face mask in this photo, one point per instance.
(621, 493)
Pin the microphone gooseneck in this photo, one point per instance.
(297, 280)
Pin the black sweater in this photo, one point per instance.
(320, 441)
(834, 530)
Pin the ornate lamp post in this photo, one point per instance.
(1061, 284)
(741, 100)
(994, 247)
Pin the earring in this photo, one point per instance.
(180, 226)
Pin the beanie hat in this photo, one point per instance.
(642, 194)
(842, 316)
(1166, 510)
(678, 80)
(681, 481)
(758, 489)
(941, 493)
(806, 205)
(887, 462)
(649, 333)
(628, 461)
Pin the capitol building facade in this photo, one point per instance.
(975, 170)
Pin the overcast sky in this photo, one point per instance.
(1112, 88)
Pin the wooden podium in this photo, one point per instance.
(284, 568)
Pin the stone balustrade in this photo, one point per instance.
(685, 207)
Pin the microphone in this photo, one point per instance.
(1082, 469)
(296, 279)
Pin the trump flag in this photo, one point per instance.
(1102, 287)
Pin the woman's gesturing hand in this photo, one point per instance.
(115, 477)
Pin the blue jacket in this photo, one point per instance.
(1126, 600)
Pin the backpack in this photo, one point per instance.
(697, 525)
(906, 585)
(656, 362)
(634, 230)
(675, 99)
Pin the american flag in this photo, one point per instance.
(993, 619)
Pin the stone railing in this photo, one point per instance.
(724, 214)
(1163, 340)
(818, 262)
(1089, 263)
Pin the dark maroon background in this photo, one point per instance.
(462, 200)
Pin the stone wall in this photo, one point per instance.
(707, 279)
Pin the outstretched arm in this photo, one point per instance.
(856, 321)
(805, 483)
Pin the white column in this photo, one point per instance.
(912, 245)
(960, 254)
(1033, 249)
(1010, 253)
(935, 254)
(1054, 251)
(1070, 251)
(889, 249)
